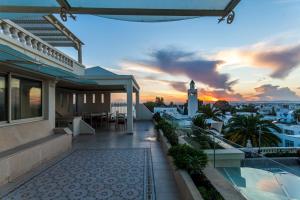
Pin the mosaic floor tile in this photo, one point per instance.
(92, 174)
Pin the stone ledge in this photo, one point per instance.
(186, 185)
(188, 189)
(224, 187)
(24, 160)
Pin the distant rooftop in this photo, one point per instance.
(98, 71)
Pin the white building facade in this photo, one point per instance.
(290, 135)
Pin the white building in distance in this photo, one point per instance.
(290, 135)
(192, 100)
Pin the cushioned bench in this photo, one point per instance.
(19, 157)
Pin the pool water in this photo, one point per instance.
(259, 184)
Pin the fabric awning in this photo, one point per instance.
(130, 10)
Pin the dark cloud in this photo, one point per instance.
(270, 92)
(179, 86)
(282, 61)
(176, 62)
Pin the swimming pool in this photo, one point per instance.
(259, 184)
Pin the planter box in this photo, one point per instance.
(188, 189)
(226, 157)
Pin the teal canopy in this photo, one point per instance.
(130, 10)
(24, 62)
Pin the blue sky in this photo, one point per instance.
(259, 26)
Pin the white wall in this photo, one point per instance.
(64, 102)
(165, 109)
(143, 113)
(89, 106)
(65, 106)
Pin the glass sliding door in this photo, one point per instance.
(26, 98)
(3, 99)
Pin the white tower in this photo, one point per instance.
(192, 100)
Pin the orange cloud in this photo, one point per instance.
(280, 59)
(215, 95)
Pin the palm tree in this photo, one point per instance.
(297, 115)
(210, 112)
(200, 121)
(243, 128)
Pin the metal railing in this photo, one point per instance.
(254, 156)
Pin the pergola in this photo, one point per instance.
(132, 10)
(51, 30)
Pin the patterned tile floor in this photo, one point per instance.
(91, 174)
(109, 165)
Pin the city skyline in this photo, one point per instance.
(254, 59)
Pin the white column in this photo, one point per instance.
(9, 98)
(109, 97)
(49, 103)
(137, 103)
(129, 90)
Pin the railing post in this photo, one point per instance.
(214, 150)
(259, 139)
(5, 28)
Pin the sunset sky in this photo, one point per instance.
(255, 58)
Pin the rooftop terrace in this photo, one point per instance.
(110, 164)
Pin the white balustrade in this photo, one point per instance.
(14, 33)
(22, 37)
(6, 28)
(28, 41)
(26, 38)
(34, 43)
(44, 49)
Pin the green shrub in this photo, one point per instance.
(160, 124)
(168, 131)
(205, 145)
(188, 158)
(209, 193)
(200, 121)
(206, 189)
(157, 117)
(172, 138)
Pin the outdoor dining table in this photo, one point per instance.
(94, 117)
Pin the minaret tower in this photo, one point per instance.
(192, 100)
